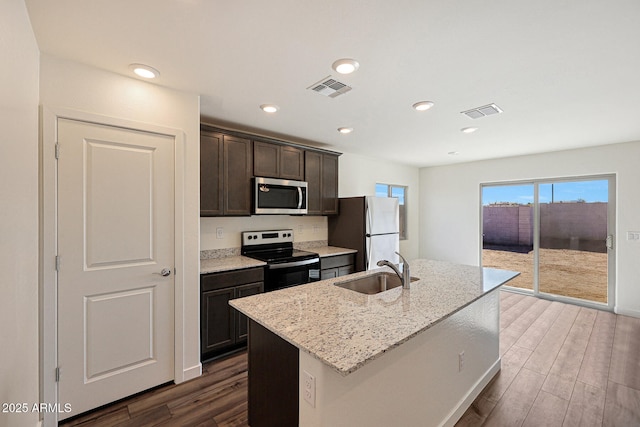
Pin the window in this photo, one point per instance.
(399, 192)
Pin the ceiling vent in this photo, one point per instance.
(486, 110)
(330, 87)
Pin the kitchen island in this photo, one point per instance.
(321, 355)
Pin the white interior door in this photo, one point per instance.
(115, 237)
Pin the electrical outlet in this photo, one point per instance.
(461, 361)
(316, 228)
(300, 228)
(309, 388)
(219, 233)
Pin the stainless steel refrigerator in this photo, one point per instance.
(370, 225)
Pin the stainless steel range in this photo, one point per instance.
(286, 266)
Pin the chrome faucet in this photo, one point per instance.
(405, 276)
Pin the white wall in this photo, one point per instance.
(72, 85)
(450, 205)
(19, 207)
(358, 176)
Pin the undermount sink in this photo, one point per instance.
(373, 284)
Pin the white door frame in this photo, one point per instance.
(48, 243)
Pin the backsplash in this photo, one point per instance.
(227, 252)
(221, 236)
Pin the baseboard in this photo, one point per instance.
(626, 312)
(191, 373)
(473, 393)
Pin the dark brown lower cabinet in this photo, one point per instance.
(273, 379)
(337, 265)
(222, 328)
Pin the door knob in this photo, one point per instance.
(165, 272)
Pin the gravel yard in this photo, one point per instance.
(577, 274)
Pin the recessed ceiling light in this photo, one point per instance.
(345, 130)
(269, 108)
(345, 65)
(144, 71)
(468, 130)
(453, 153)
(422, 105)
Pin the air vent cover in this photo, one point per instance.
(330, 87)
(485, 110)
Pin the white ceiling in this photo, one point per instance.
(565, 72)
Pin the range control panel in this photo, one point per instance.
(250, 238)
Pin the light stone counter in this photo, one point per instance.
(346, 329)
(215, 265)
(327, 251)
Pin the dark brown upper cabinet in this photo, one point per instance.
(321, 174)
(229, 160)
(211, 173)
(226, 164)
(278, 161)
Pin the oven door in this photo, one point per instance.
(287, 274)
(280, 196)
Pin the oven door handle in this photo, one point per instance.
(293, 264)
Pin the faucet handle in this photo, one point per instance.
(404, 261)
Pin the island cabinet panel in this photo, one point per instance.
(278, 161)
(226, 167)
(321, 174)
(223, 328)
(337, 265)
(273, 379)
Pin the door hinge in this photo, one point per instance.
(57, 374)
(57, 263)
(57, 151)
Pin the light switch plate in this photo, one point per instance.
(633, 235)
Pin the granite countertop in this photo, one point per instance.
(346, 329)
(325, 251)
(216, 265)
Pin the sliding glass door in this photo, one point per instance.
(557, 233)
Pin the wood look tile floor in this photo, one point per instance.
(562, 365)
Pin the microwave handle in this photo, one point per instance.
(299, 197)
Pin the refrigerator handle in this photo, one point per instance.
(368, 219)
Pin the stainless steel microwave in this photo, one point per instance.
(279, 196)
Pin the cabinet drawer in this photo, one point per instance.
(328, 273)
(347, 269)
(231, 278)
(337, 261)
